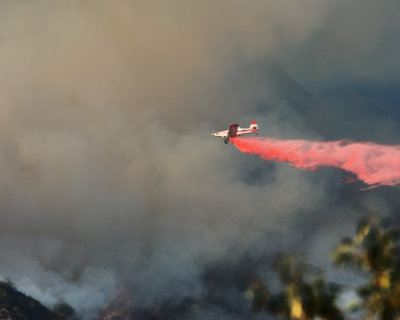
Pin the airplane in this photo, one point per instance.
(235, 131)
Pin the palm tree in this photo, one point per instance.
(299, 298)
(375, 250)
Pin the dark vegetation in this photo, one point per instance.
(18, 306)
(373, 252)
(299, 291)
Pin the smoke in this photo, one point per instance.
(376, 165)
(357, 41)
(108, 174)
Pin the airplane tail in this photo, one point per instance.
(253, 126)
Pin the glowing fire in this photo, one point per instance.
(372, 163)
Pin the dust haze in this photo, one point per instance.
(108, 173)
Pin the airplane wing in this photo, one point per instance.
(233, 129)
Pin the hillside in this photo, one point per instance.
(18, 306)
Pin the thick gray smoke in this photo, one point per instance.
(108, 173)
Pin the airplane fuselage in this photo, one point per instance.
(235, 131)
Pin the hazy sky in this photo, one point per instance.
(108, 173)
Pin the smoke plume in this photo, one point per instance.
(108, 174)
(375, 164)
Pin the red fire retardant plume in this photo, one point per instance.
(375, 164)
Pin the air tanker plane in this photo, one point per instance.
(235, 131)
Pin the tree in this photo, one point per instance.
(374, 250)
(299, 298)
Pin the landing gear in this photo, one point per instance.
(226, 140)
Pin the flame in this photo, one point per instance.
(374, 164)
